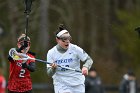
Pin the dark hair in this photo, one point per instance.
(60, 28)
(92, 69)
(130, 73)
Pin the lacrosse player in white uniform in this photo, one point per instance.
(68, 55)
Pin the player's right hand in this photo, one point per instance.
(85, 71)
(53, 65)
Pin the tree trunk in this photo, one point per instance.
(93, 28)
(43, 33)
(3, 61)
(13, 20)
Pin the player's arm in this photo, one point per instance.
(87, 65)
(88, 62)
(84, 57)
(31, 66)
(51, 69)
(10, 58)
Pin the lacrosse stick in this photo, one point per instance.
(28, 4)
(20, 56)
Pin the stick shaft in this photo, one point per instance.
(58, 65)
(26, 28)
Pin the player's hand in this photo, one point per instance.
(85, 71)
(53, 65)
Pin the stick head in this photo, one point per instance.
(12, 52)
(28, 4)
(17, 56)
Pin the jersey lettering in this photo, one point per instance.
(22, 72)
(64, 69)
(64, 61)
(19, 64)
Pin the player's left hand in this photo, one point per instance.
(85, 71)
(53, 65)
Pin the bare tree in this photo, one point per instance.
(43, 33)
(3, 61)
(13, 16)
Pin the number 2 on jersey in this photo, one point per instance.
(22, 72)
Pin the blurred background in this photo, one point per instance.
(103, 28)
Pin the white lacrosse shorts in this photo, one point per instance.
(69, 89)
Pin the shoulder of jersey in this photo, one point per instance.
(32, 53)
(52, 49)
(73, 46)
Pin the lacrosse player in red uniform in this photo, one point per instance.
(19, 72)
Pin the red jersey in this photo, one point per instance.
(2, 84)
(19, 78)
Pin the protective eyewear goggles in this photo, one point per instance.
(65, 38)
(24, 43)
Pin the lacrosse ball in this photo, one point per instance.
(16, 57)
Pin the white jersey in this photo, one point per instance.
(71, 58)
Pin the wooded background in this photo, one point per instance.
(103, 28)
